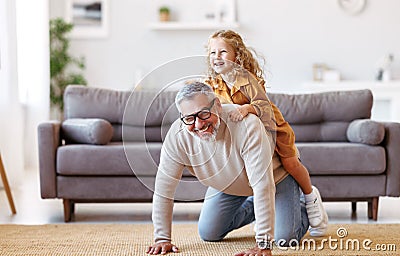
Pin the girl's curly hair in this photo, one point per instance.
(244, 56)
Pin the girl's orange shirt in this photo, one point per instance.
(247, 90)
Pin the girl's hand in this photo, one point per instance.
(239, 113)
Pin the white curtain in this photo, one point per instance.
(24, 82)
(11, 116)
(33, 71)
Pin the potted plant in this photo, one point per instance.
(64, 68)
(164, 13)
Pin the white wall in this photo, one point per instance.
(291, 34)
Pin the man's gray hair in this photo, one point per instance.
(192, 89)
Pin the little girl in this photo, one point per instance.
(227, 50)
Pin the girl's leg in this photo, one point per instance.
(298, 172)
(221, 213)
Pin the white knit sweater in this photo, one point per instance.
(238, 162)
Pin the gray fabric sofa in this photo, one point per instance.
(108, 146)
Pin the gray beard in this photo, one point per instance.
(210, 137)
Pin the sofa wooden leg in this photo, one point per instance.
(369, 209)
(373, 208)
(354, 207)
(72, 208)
(375, 204)
(69, 207)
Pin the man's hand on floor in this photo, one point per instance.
(162, 248)
(255, 252)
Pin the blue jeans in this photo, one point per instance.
(221, 213)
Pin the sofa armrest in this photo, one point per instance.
(48, 140)
(391, 143)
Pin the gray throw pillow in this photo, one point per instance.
(87, 131)
(366, 131)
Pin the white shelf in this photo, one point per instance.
(172, 25)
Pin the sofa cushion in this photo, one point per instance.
(366, 131)
(133, 110)
(150, 108)
(90, 102)
(323, 112)
(326, 131)
(110, 159)
(324, 106)
(87, 130)
(342, 158)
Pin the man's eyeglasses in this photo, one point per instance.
(202, 114)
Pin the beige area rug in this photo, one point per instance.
(132, 239)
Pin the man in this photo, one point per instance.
(236, 161)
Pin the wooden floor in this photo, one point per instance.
(31, 209)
